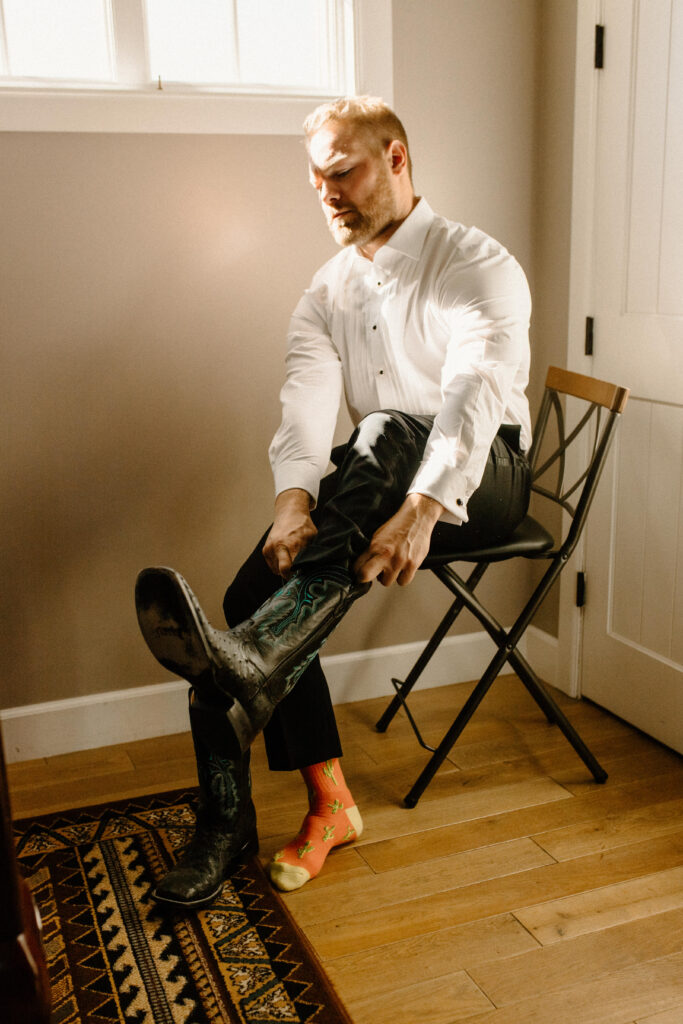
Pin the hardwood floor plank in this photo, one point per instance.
(386, 968)
(599, 953)
(652, 762)
(21, 774)
(615, 830)
(99, 788)
(384, 855)
(538, 739)
(603, 908)
(168, 749)
(444, 1000)
(68, 768)
(674, 1016)
(649, 988)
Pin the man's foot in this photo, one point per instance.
(333, 819)
(203, 866)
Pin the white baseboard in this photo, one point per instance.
(119, 716)
(542, 650)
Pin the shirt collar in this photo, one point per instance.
(409, 238)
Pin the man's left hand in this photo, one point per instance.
(399, 547)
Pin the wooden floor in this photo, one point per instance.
(517, 892)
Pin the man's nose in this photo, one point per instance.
(329, 193)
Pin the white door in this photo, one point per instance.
(632, 661)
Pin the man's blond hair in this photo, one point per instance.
(368, 114)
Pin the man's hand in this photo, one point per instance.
(291, 531)
(399, 547)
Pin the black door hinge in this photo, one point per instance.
(580, 589)
(599, 61)
(588, 344)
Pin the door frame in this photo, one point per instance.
(589, 13)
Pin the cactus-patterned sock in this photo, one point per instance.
(332, 819)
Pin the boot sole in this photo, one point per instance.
(175, 633)
(170, 624)
(249, 850)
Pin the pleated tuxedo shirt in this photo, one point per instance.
(437, 324)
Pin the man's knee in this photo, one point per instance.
(390, 427)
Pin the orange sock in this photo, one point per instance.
(332, 819)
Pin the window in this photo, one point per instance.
(186, 65)
(56, 40)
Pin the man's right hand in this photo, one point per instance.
(291, 531)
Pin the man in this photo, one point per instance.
(423, 325)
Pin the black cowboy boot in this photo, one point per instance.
(258, 662)
(225, 833)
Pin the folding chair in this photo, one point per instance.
(590, 439)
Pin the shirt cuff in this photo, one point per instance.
(447, 486)
(297, 475)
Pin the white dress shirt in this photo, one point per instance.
(436, 324)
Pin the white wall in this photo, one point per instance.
(146, 285)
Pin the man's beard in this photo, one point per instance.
(358, 227)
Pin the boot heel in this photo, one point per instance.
(241, 727)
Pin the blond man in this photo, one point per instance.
(421, 326)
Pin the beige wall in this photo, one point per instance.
(146, 284)
(552, 216)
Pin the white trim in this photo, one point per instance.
(364, 674)
(169, 111)
(543, 653)
(589, 14)
(120, 716)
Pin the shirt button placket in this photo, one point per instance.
(377, 346)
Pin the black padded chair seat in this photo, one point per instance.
(529, 540)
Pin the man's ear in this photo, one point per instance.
(398, 156)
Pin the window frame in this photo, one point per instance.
(187, 110)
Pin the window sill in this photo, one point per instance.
(114, 111)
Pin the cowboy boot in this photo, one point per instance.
(225, 832)
(257, 663)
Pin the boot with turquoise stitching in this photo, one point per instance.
(257, 663)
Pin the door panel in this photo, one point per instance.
(632, 659)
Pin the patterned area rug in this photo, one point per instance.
(114, 956)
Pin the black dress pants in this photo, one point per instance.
(374, 471)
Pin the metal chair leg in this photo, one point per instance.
(448, 741)
(555, 714)
(403, 689)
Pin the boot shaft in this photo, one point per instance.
(224, 780)
(301, 614)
